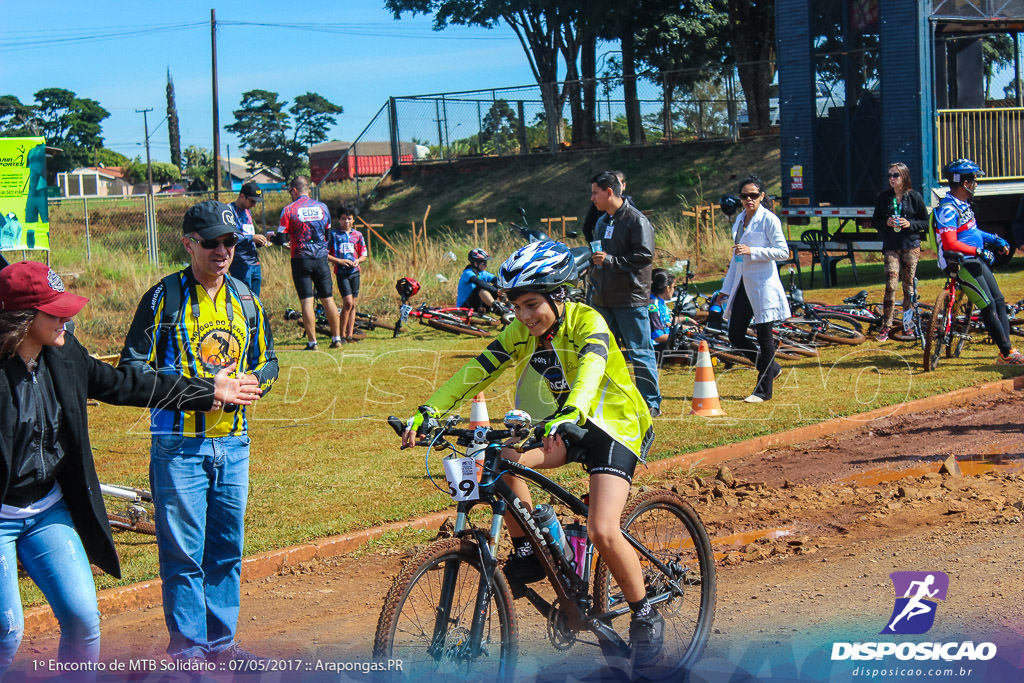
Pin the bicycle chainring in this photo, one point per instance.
(561, 636)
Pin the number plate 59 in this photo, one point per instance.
(461, 476)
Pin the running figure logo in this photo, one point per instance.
(917, 594)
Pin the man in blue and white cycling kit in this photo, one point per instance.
(958, 232)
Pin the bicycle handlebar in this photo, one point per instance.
(572, 434)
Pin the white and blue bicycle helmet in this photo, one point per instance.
(958, 169)
(538, 267)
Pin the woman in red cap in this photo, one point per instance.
(52, 517)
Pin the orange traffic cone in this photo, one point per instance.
(705, 389)
(478, 412)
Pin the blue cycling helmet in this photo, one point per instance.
(956, 170)
(538, 267)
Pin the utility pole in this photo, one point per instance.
(216, 112)
(149, 165)
(150, 209)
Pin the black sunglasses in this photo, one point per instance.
(229, 242)
(894, 175)
(750, 195)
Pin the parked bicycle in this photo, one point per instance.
(949, 327)
(915, 320)
(450, 612)
(129, 508)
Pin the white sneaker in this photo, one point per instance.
(753, 399)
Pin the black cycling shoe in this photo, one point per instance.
(523, 570)
(646, 637)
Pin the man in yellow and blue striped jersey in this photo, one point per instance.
(193, 323)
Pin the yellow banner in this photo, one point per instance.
(24, 219)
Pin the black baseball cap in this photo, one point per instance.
(252, 191)
(210, 219)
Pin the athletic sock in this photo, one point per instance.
(521, 547)
(641, 608)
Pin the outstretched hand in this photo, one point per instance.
(243, 390)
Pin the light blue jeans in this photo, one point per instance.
(633, 326)
(52, 554)
(200, 487)
(250, 275)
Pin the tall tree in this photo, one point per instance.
(173, 131)
(67, 121)
(261, 124)
(16, 119)
(752, 39)
(685, 45)
(270, 136)
(538, 24)
(997, 53)
(500, 126)
(313, 116)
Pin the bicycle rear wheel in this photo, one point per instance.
(667, 526)
(456, 327)
(961, 326)
(371, 322)
(433, 640)
(936, 338)
(128, 524)
(840, 329)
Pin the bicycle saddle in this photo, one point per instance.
(860, 298)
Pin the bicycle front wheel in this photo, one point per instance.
(670, 529)
(428, 613)
(936, 338)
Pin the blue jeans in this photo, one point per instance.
(200, 486)
(52, 554)
(633, 327)
(250, 275)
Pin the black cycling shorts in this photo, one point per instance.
(601, 454)
(348, 285)
(312, 275)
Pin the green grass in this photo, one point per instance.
(324, 461)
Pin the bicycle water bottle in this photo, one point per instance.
(577, 534)
(547, 521)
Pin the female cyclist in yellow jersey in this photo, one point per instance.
(568, 369)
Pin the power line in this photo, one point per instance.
(53, 37)
(46, 38)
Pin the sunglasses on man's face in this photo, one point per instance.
(228, 242)
(750, 195)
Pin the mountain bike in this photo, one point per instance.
(452, 319)
(915, 321)
(450, 613)
(949, 327)
(133, 509)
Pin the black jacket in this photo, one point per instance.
(624, 279)
(76, 377)
(593, 213)
(912, 208)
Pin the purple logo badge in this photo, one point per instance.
(917, 596)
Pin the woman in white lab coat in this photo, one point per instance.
(755, 292)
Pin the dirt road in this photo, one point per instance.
(846, 511)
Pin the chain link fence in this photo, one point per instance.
(503, 121)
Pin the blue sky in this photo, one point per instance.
(366, 57)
